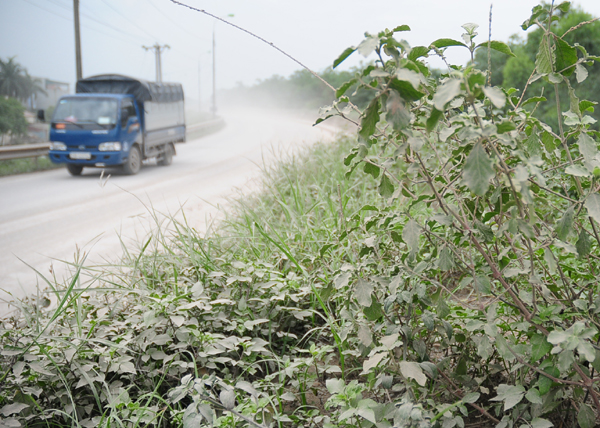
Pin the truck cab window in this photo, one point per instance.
(127, 111)
(87, 113)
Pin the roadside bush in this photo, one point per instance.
(12, 120)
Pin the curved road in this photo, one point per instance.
(49, 218)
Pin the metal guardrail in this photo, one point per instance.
(215, 123)
(23, 151)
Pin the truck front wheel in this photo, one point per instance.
(167, 156)
(134, 161)
(74, 170)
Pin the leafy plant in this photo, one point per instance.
(497, 231)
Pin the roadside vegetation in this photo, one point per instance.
(21, 166)
(299, 91)
(440, 270)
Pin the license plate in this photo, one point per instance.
(81, 155)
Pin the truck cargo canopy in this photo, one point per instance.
(140, 89)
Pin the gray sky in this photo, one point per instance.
(40, 34)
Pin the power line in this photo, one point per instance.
(88, 17)
(177, 24)
(129, 20)
(137, 26)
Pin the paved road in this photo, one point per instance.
(49, 218)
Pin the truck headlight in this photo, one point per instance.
(57, 146)
(112, 146)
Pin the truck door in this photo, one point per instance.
(130, 122)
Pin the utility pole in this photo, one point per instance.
(158, 49)
(214, 52)
(214, 82)
(77, 40)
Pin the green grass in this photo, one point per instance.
(21, 166)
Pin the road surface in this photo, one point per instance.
(49, 218)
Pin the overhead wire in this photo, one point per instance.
(129, 20)
(177, 24)
(162, 15)
(139, 39)
(70, 19)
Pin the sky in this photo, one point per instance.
(40, 34)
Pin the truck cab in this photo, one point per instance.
(117, 121)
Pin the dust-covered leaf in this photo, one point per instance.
(446, 259)
(227, 398)
(433, 119)
(335, 386)
(363, 291)
(412, 370)
(583, 244)
(13, 408)
(396, 112)
(593, 206)
(478, 170)
(368, 123)
(410, 234)
(539, 347)
(471, 397)
(541, 422)
(482, 284)
(446, 93)
(497, 46)
(365, 336)
(368, 45)
(511, 395)
(565, 224)
(586, 417)
(581, 73)
(373, 361)
(406, 90)
(248, 387)
(386, 187)
(495, 95)
(533, 396)
(577, 171)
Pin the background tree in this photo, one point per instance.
(12, 120)
(16, 82)
(300, 90)
(514, 72)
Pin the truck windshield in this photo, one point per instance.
(87, 113)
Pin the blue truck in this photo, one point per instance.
(117, 121)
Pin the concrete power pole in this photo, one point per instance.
(214, 67)
(214, 76)
(158, 49)
(79, 69)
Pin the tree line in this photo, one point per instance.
(16, 86)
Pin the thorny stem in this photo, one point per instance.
(489, 52)
(475, 406)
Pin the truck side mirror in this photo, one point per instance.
(41, 115)
(133, 124)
